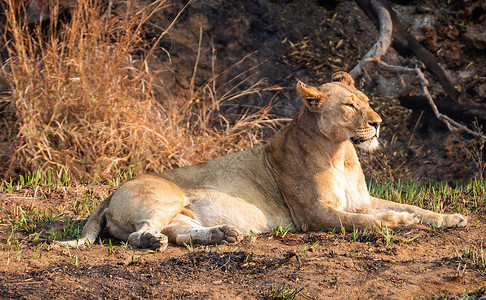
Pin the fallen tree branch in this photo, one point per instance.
(450, 123)
(461, 112)
(383, 14)
(404, 43)
(381, 46)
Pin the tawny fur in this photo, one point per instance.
(308, 176)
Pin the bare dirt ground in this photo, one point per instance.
(419, 262)
(289, 39)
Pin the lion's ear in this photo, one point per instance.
(343, 77)
(311, 96)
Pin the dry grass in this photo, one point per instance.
(83, 101)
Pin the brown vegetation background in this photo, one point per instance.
(84, 98)
(100, 87)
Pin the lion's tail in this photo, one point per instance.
(92, 227)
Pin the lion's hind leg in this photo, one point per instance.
(145, 237)
(186, 230)
(148, 238)
(141, 208)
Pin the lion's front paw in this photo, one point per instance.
(450, 220)
(454, 220)
(395, 219)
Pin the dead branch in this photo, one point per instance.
(383, 14)
(450, 123)
(467, 113)
(381, 46)
(404, 43)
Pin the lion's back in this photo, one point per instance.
(221, 172)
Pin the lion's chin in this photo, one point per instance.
(369, 145)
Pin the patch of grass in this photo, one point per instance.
(473, 295)
(219, 248)
(253, 236)
(37, 178)
(7, 185)
(13, 239)
(387, 236)
(75, 259)
(306, 247)
(25, 218)
(126, 245)
(24, 228)
(473, 255)
(434, 195)
(25, 222)
(190, 247)
(134, 259)
(110, 247)
(14, 243)
(413, 238)
(354, 234)
(85, 206)
(72, 229)
(35, 254)
(121, 175)
(284, 293)
(280, 231)
(343, 230)
(72, 256)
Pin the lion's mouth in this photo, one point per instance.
(357, 140)
(368, 145)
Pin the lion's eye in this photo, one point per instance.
(350, 105)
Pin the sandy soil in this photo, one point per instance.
(419, 262)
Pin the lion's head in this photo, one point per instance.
(343, 111)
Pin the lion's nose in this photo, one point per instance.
(375, 124)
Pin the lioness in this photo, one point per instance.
(308, 176)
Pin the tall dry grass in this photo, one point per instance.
(84, 101)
